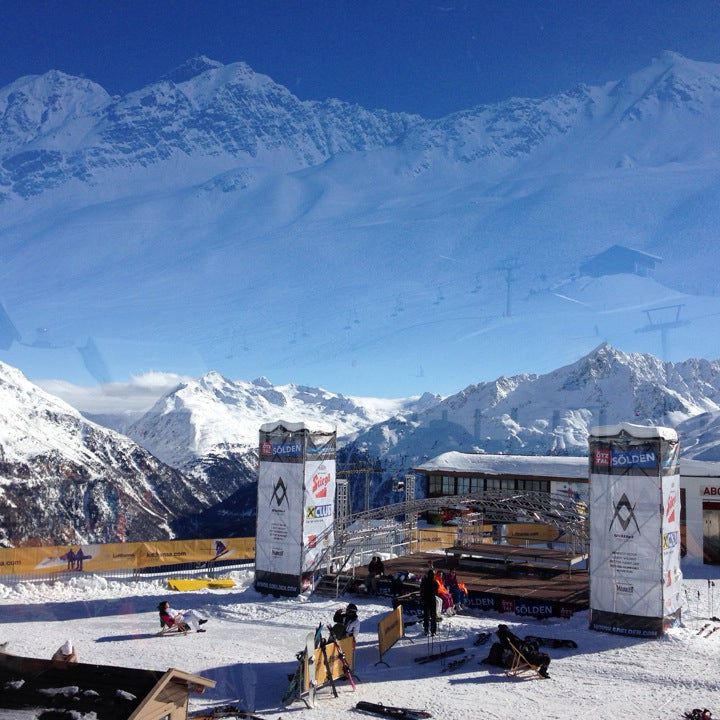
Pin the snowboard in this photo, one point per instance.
(388, 711)
(551, 642)
(310, 655)
(296, 688)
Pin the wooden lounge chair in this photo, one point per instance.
(521, 665)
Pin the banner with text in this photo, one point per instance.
(390, 630)
(121, 556)
(296, 504)
(319, 510)
(634, 533)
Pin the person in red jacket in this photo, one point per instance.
(183, 619)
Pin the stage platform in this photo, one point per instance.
(520, 588)
(517, 555)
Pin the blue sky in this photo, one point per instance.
(432, 58)
(418, 56)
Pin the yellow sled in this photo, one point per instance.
(189, 584)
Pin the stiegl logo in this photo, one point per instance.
(624, 513)
(320, 483)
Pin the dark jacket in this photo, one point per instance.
(376, 567)
(428, 590)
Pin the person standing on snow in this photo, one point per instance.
(428, 594)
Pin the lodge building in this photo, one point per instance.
(456, 473)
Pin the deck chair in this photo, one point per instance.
(521, 665)
(166, 629)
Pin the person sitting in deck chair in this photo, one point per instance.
(530, 650)
(183, 620)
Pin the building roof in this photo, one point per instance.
(111, 693)
(486, 464)
(314, 426)
(614, 249)
(643, 432)
(568, 468)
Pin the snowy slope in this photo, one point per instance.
(385, 238)
(552, 413)
(250, 644)
(65, 479)
(700, 437)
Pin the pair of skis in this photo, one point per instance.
(456, 664)
(226, 711)
(389, 711)
(481, 639)
(423, 659)
(707, 630)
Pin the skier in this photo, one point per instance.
(428, 593)
(183, 619)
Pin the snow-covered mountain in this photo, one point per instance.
(209, 427)
(552, 413)
(215, 189)
(700, 437)
(57, 128)
(65, 479)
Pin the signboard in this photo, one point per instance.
(635, 578)
(296, 504)
(337, 668)
(390, 630)
(319, 509)
(121, 556)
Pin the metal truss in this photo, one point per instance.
(494, 507)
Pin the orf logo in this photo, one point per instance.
(624, 513)
(280, 493)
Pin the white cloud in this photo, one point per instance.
(136, 396)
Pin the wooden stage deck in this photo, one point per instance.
(522, 589)
(532, 557)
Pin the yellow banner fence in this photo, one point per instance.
(107, 557)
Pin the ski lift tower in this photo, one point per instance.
(342, 504)
(408, 485)
(662, 320)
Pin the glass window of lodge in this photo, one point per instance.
(435, 485)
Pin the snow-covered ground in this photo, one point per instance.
(250, 644)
